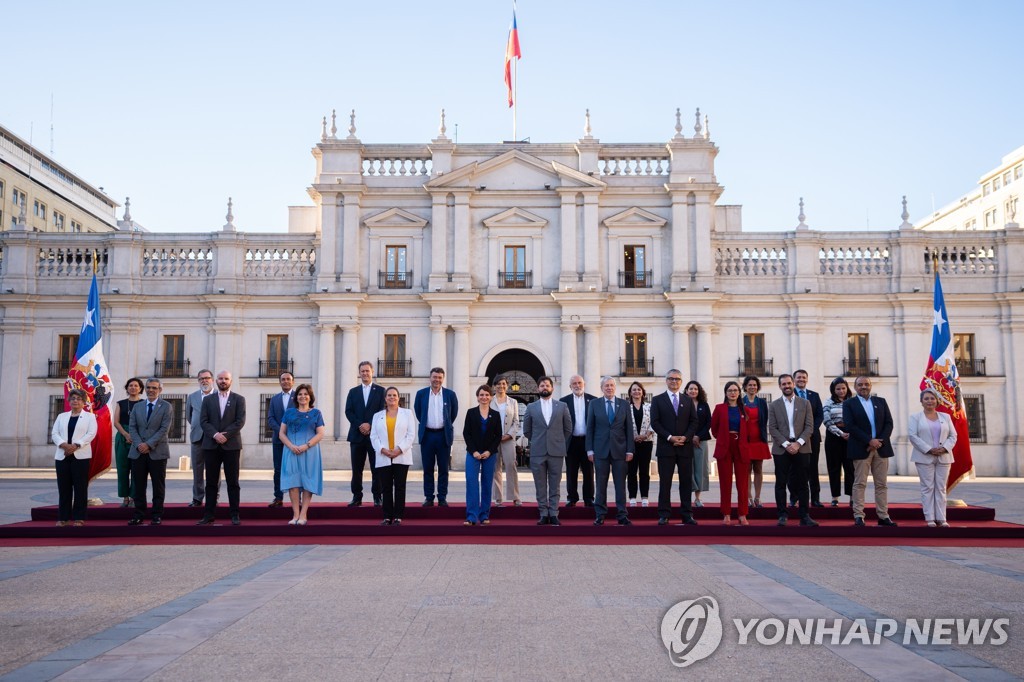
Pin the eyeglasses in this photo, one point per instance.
(674, 379)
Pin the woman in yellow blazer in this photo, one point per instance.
(933, 436)
(391, 434)
(73, 431)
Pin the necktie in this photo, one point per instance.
(611, 411)
(675, 403)
(802, 393)
(149, 410)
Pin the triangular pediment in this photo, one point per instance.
(514, 170)
(395, 217)
(635, 217)
(515, 217)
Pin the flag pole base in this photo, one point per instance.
(955, 503)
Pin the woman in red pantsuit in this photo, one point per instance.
(729, 426)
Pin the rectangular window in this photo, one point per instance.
(515, 276)
(58, 221)
(394, 363)
(971, 224)
(636, 362)
(174, 356)
(635, 274)
(996, 183)
(76, 226)
(1018, 171)
(39, 209)
(986, 189)
(967, 363)
(990, 218)
(266, 435)
(277, 356)
(975, 408)
(1, 190)
(18, 198)
(857, 356)
(67, 346)
(176, 434)
(56, 407)
(1006, 178)
(754, 362)
(396, 271)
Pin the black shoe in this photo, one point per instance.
(206, 520)
(235, 521)
(816, 503)
(858, 521)
(570, 504)
(599, 521)
(809, 522)
(442, 503)
(553, 521)
(663, 521)
(378, 501)
(835, 503)
(543, 521)
(195, 503)
(792, 503)
(588, 504)
(356, 502)
(136, 521)
(886, 522)
(428, 502)
(396, 522)
(156, 521)
(783, 518)
(275, 503)
(625, 522)
(386, 522)
(689, 521)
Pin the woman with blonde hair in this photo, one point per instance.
(933, 436)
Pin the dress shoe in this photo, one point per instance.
(625, 522)
(235, 521)
(195, 503)
(930, 524)
(378, 501)
(136, 521)
(275, 503)
(206, 520)
(396, 522)
(817, 503)
(783, 518)
(570, 504)
(553, 521)
(689, 521)
(485, 522)
(698, 504)
(61, 524)
(518, 503)
(442, 503)
(663, 521)
(858, 520)
(943, 524)
(589, 504)
(808, 522)
(124, 503)
(887, 522)
(599, 521)
(386, 522)
(428, 502)
(835, 503)
(356, 503)
(543, 521)
(78, 524)
(156, 520)
(792, 503)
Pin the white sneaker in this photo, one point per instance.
(632, 502)
(643, 502)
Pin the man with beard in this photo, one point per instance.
(548, 427)
(790, 421)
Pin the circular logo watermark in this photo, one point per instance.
(691, 631)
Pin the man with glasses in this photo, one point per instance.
(674, 419)
(195, 436)
(148, 426)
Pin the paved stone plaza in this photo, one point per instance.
(425, 612)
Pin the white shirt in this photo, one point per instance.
(580, 407)
(366, 392)
(790, 404)
(286, 397)
(224, 401)
(435, 410)
(545, 409)
(870, 409)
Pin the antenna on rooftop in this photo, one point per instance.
(51, 124)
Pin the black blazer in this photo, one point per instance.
(480, 440)
(666, 422)
(818, 410)
(703, 422)
(857, 424)
(570, 402)
(357, 413)
(230, 424)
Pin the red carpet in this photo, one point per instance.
(338, 524)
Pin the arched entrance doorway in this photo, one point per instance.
(522, 369)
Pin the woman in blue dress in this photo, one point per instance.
(302, 473)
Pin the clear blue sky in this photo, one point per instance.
(850, 105)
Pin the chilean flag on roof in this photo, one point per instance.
(90, 373)
(512, 51)
(943, 377)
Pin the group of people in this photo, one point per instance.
(586, 436)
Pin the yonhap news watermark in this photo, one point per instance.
(692, 630)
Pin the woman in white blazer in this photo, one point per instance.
(73, 432)
(392, 432)
(508, 408)
(933, 436)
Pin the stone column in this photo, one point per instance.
(351, 243)
(678, 229)
(592, 369)
(324, 377)
(462, 241)
(438, 343)
(570, 361)
(568, 246)
(344, 380)
(702, 266)
(591, 253)
(459, 382)
(706, 367)
(1013, 362)
(329, 258)
(681, 350)
(438, 272)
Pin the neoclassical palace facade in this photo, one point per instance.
(581, 257)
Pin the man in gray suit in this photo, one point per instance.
(609, 447)
(548, 426)
(148, 426)
(790, 423)
(195, 436)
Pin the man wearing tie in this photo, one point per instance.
(610, 447)
(148, 426)
(192, 408)
(870, 425)
(436, 408)
(222, 417)
(790, 421)
(576, 459)
(275, 412)
(817, 409)
(547, 426)
(363, 401)
(674, 419)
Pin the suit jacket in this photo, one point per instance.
(230, 424)
(480, 440)
(921, 438)
(512, 426)
(720, 432)
(569, 401)
(817, 409)
(421, 404)
(275, 412)
(152, 431)
(615, 439)
(857, 424)
(85, 431)
(666, 422)
(778, 424)
(547, 440)
(357, 412)
(193, 406)
(405, 433)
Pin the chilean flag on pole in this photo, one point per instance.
(942, 376)
(512, 51)
(90, 373)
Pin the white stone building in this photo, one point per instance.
(992, 205)
(582, 257)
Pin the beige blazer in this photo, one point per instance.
(405, 434)
(778, 424)
(921, 438)
(511, 426)
(85, 431)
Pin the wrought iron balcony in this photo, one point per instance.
(635, 279)
(59, 369)
(394, 280)
(515, 280)
(394, 368)
(274, 368)
(636, 367)
(860, 367)
(171, 369)
(757, 367)
(971, 368)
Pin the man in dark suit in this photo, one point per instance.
(436, 408)
(363, 401)
(674, 419)
(869, 422)
(222, 417)
(576, 459)
(547, 426)
(275, 412)
(610, 446)
(148, 426)
(193, 406)
(790, 420)
(817, 409)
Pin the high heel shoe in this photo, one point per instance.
(757, 503)
(727, 521)
(293, 522)
(743, 521)
(300, 522)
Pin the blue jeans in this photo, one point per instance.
(435, 451)
(479, 476)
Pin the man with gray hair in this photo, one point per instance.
(609, 446)
(576, 460)
(148, 426)
(195, 436)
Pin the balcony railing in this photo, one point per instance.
(860, 367)
(637, 367)
(515, 280)
(394, 368)
(171, 369)
(971, 368)
(394, 280)
(59, 369)
(755, 367)
(274, 368)
(635, 279)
